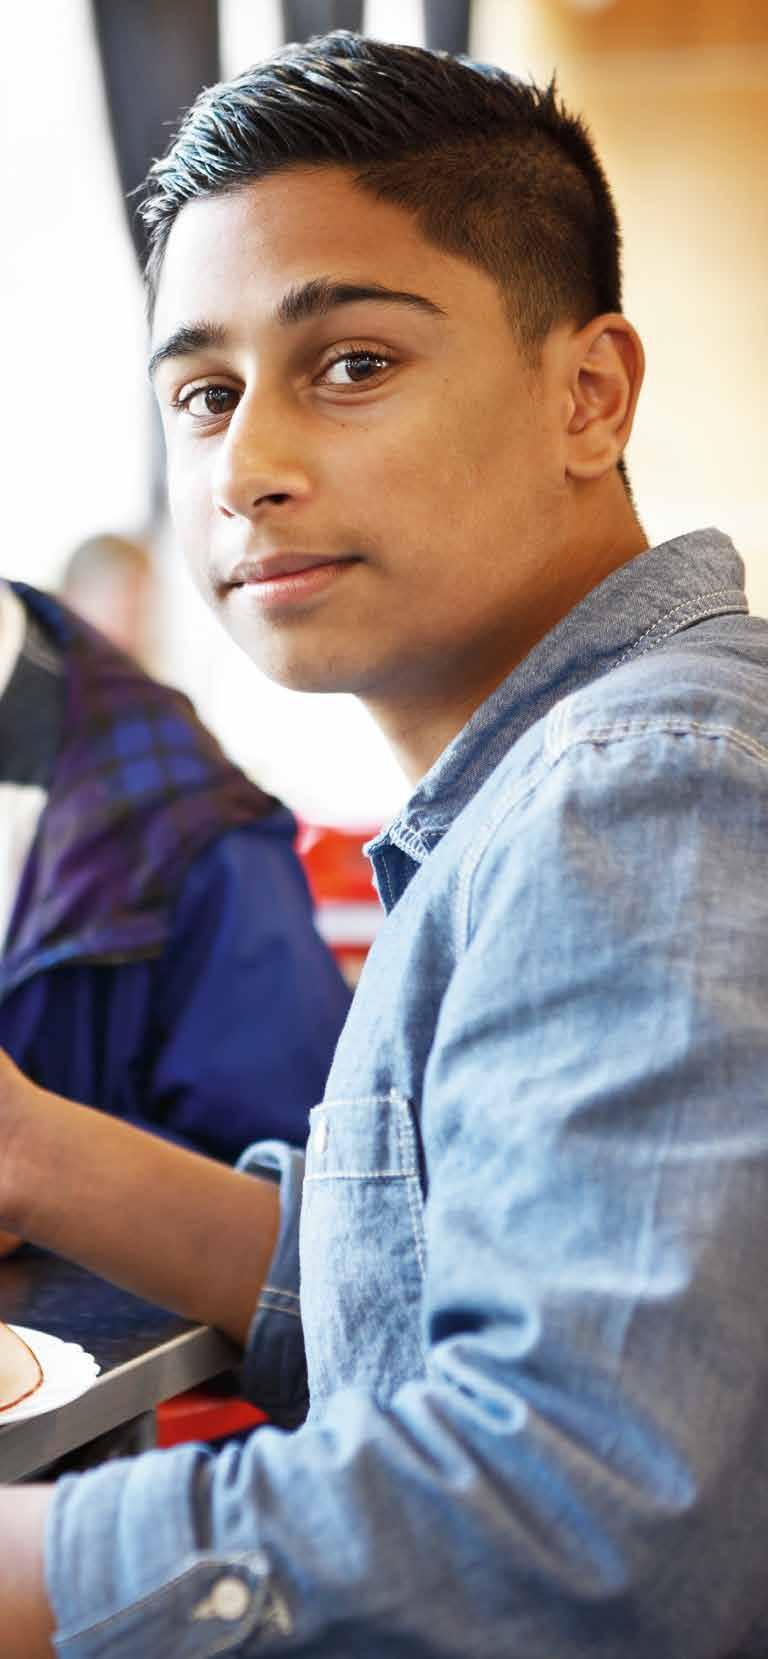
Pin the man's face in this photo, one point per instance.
(368, 489)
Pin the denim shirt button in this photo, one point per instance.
(230, 1599)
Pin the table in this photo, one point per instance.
(145, 1354)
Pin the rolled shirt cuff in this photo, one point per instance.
(109, 1582)
(274, 1369)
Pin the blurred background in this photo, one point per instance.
(676, 94)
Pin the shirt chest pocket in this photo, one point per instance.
(362, 1246)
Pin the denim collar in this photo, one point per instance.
(657, 594)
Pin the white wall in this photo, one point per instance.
(74, 411)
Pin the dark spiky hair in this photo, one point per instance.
(493, 169)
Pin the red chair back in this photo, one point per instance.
(348, 912)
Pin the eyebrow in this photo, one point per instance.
(298, 305)
(185, 341)
(319, 296)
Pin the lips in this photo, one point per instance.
(271, 566)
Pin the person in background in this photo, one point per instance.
(108, 580)
(521, 1335)
(158, 956)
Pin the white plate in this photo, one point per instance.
(68, 1371)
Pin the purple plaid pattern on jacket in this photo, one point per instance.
(139, 789)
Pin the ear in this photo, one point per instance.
(606, 373)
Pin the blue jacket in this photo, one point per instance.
(161, 961)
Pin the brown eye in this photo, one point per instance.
(354, 368)
(209, 402)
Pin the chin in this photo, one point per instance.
(293, 669)
(307, 677)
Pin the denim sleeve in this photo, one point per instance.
(274, 1369)
(582, 1469)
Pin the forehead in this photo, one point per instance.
(242, 250)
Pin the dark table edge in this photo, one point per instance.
(123, 1394)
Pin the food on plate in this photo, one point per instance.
(20, 1372)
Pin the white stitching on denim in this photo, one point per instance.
(364, 1175)
(385, 873)
(274, 1290)
(413, 1186)
(413, 1191)
(273, 1302)
(383, 1098)
(692, 604)
(555, 728)
(654, 643)
(617, 733)
(409, 1168)
(409, 839)
(611, 733)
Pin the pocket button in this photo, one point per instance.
(231, 1598)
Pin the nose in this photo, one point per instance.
(256, 465)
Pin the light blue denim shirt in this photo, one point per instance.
(534, 1230)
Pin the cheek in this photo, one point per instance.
(462, 479)
(189, 509)
(408, 472)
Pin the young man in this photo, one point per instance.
(397, 385)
